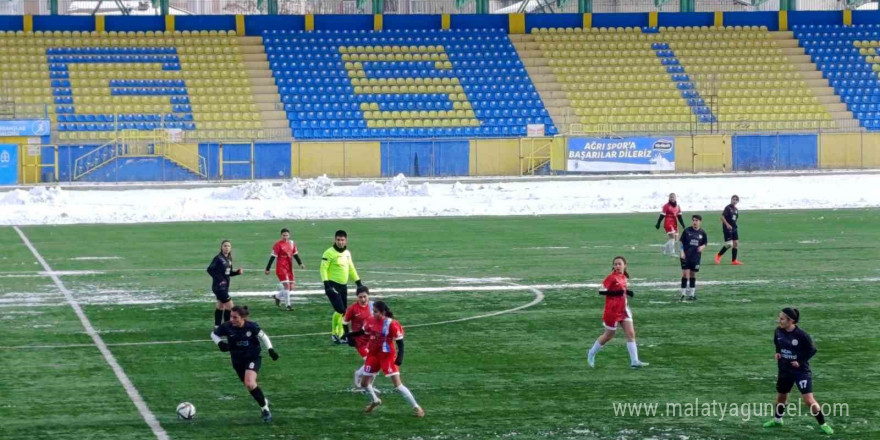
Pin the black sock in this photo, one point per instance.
(819, 417)
(218, 317)
(693, 282)
(257, 393)
(780, 410)
(733, 255)
(723, 250)
(684, 282)
(226, 315)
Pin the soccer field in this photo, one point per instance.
(498, 314)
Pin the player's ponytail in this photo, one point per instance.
(625, 273)
(241, 311)
(382, 307)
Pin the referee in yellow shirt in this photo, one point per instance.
(337, 268)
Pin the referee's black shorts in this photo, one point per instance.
(338, 296)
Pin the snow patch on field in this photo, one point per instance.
(321, 198)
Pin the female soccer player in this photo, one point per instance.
(693, 240)
(221, 270)
(355, 318)
(243, 341)
(668, 215)
(794, 348)
(617, 310)
(731, 232)
(382, 329)
(285, 251)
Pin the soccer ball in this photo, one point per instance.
(186, 411)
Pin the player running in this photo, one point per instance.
(617, 311)
(668, 215)
(285, 251)
(693, 241)
(221, 270)
(355, 317)
(337, 268)
(244, 340)
(384, 333)
(731, 233)
(794, 348)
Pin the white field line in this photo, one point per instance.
(132, 392)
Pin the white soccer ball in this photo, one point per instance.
(186, 411)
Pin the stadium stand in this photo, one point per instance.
(847, 57)
(403, 84)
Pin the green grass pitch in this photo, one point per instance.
(521, 374)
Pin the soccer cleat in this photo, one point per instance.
(773, 423)
(826, 429)
(343, 340)
(717, 258)
(736, 263)
(373, 405)
(638, 364)
(267, 415)
(289, 308)
(277, 301)
(419, 412)
(591, 359)
(335, 339)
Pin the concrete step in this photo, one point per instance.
(269, 106)
(265, 82)
(534, 61)
(798, 59)
(252, 49)
(514, 38)
(249, 57)
(250, 41)
(827, 98)
(257, 65)
(259, 73)
(787, 44)
(793, 50)
(811, 74)
(530, 53)
(273, 98)
(273, 115)
(264, 90)
(782, 35)
(275, 123)
(822, 82)
(836, 107)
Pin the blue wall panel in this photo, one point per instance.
(479, 21)
(814, 17)
(769, 19)
(134, 23)
(209, 152)
(865, 17)
(272, 160)
(11, 23)
(204, 23)
(414, 159)
(620, 19)
(254, 25)
(236, 153)
(686, 19)
(770, 152)
(554, 20)
(422, 21)
(63, 23)
(343, 22)
(139, 169)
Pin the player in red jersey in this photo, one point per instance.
(384, 333)
(355, 318)
(617, 311)
(285, 251)
(668, 215)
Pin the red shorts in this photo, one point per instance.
(616, 312)
(380, 361)
(670, 225)
(361, 346)
(284, 274)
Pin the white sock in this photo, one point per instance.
(692, 291)
(670, 246)
(633, 352)
(358, 376)
(407, 395)
(286, 294)
(684, 291)
(372, 393)
(596, 347)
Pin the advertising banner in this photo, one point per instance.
(600, 155)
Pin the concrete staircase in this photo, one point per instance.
(555, 100)
(266, 96)
(843, 118)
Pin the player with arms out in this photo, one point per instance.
(285, 251)
(617, 311)
(244, 340)
(794, 348)
(221, 271)
(337, 268)
(384, 334)
(731, 232)
(693, 241)
(668, 215)
(355, 318)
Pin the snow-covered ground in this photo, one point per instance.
(320, 198)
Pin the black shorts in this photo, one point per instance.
(691, 262)
(338, 297)
(730, 234)
(803, 381)
(242, 365)
(222, 295)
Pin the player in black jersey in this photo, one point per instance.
(221, 270)
(731, 232)
(693, 241)
(243, 341)
(794, 348)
